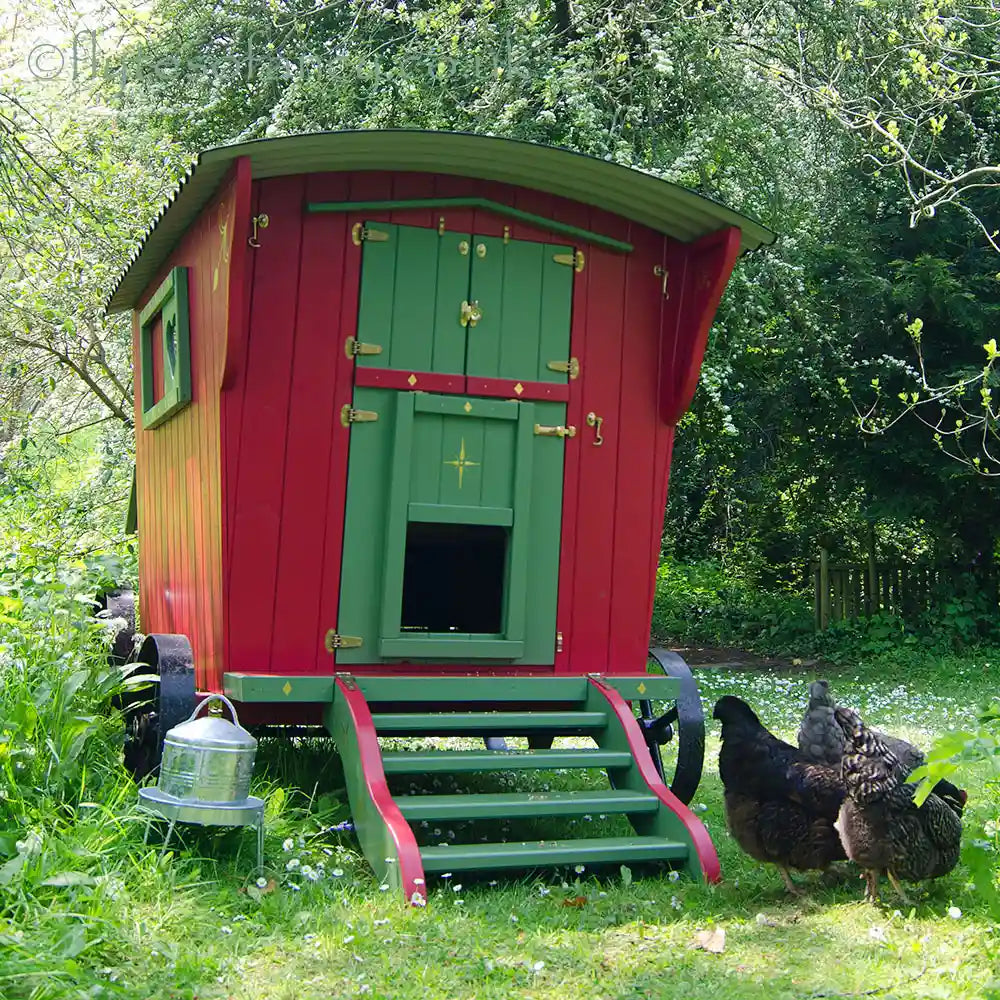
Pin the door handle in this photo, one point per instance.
(471, 314)
(593, 420)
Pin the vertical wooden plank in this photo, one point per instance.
(396, 521)
(637, 523)
(263, 441)
(313, 421)
(593, 530)
(517, 590)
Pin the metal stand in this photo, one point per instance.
(246, 812)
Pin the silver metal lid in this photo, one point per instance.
(212, 732)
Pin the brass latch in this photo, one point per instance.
(352, 348)
(555, 431)
(258, 222)
(593, 420)
(662, 272)
(572, 366)
(348, 415)
(470, 314)
(573, 260)
(336, 641)
(360, 232)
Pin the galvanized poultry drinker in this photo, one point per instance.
(205, 775)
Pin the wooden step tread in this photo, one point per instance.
(531, 853)
(518, 805)
(468, 761)
(476, 723)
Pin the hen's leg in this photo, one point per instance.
(871, 884)
(898, 888)
(789, 884)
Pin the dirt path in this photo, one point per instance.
(733, 658)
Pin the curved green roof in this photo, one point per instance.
(623, 191)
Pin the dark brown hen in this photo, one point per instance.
(780, 807)
(881, 827)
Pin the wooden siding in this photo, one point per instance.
(178, 483)
(286, 452)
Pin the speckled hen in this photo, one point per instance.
(881, 827)
(780, 807)
(821, 739)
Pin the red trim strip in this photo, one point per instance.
(396, 378)
(506, 388)
(407, 853)
(704, 848)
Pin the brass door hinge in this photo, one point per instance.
(334, 640)
(555, 431)
(559, 642)
(348, 415)
(352, 348)
(572, 367)
(360, 232)
(574, 260)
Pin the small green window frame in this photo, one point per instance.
(171, 303)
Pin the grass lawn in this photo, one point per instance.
(190, 926)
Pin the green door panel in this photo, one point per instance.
(461, 464)
(525, 297)
(368, 472)
(412, 288)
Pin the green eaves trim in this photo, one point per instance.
(484, 203)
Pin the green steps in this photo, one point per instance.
(455, 706)
(473, 761)
(545, 853)
(522, 805)
(480, 723)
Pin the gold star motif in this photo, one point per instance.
(642, 688)
(519, 388)
(461, 463)
(412, 380)
(467, 407)
(287, 688)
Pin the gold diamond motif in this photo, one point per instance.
(467, 407)
(519, 388)
(412, 380)
(287, 688)
(642, 688)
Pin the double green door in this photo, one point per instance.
(454, 501)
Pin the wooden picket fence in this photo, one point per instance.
(859, 590)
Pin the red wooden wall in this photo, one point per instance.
(178, 481)
(241, 494)
(286, 452)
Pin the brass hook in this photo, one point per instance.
(593, 420)
(258, 220)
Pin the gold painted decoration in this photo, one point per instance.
(462, 462)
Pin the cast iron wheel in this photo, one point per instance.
(683, 722)
(120, 604)
(151, 713)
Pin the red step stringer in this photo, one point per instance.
(411, 871)
(708, 858)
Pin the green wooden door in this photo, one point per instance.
(451, 547)
(454, 503)
(413, 283)
(524, 294)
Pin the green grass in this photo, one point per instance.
(193, 924)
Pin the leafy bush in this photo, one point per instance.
(703, 603)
